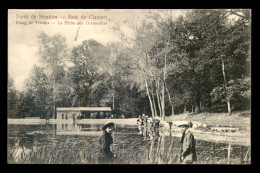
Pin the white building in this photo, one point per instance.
(70, 112)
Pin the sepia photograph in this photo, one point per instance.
(129, 86)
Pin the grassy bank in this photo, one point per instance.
(238, 119)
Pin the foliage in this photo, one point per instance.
(196, 62)
(235, 90)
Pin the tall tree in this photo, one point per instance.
(53, 53)
(38, 89)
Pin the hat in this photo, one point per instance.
(108, 124)
(189, 124)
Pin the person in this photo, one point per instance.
(47, 117)
(140, 124)
(106, 156)
(74, 120)
(144, 117)
(139, 121)
(188, 151)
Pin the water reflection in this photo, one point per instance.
(149, 128)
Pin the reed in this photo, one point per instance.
(82, 150)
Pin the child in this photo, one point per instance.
(106, 156)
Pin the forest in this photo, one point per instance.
(197, 62)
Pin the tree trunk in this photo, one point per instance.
(225, 83)
(164, 80)
(196, 108)
(170, 100)
(150, 100)
(228, 106)
(159, 99)
(162, 102)
(184, 109)
(53, 98)
(154, 106)
(201, 105)
(113, 102)
(113, 95)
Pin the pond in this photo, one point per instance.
(68, 143)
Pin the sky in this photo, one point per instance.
(22, 36)
(22, 39)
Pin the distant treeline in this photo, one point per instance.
(197, 62)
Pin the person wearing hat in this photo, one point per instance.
(188, 151)
(106, 156)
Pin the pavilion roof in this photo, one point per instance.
(83, 109)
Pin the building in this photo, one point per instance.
(70, 112)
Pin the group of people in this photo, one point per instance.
(148, 126)
(187, 152)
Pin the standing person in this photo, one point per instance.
(144, 117)
(47, 117)
(140, 124)
(188, 151)
(106, 156)
(145, 126)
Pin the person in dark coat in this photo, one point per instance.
(188, 150)
(105, 154)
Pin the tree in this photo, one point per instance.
(204, 50)
(229, 47)
(38, 91)
(16, 107)
(53, 53)
(145, 71)
(237, 90)
(12, 99)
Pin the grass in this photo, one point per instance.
(62, 151)
(238, 119)
(129, 150)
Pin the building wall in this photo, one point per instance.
(66, 114)
(69, 114)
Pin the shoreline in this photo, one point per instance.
(130, 121)
(237, 138)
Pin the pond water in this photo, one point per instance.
(60, 143)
